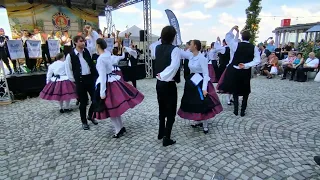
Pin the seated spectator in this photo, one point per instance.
(292, 67)
(289, 60)
(311, 64)
(273, 61)
(264, 53)
(278, 52)
(271, 47)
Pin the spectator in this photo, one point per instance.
(273, 61)
(289, 60)
(264, 53)
(278, 52)
(292, 66)
(310, 65)
(271, 47)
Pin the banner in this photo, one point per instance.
(126, 42)
(54, 47)
(174, 22)
(15, 49)
(34, 49)
(110, 44)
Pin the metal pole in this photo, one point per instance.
(147, 37)
(5, 95)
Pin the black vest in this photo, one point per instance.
(2, 39)
(224, 58)
(76, 66)
(163, 59)
(243, 54)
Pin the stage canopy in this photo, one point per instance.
(135, 34)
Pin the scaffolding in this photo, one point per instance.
(147, 27)
(5, 97)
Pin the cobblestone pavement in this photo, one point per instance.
(276, 140)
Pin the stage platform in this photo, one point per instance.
(35, 82)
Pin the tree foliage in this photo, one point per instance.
(253, 20)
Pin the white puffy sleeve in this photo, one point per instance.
(205, 73)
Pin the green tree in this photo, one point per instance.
(253, 20)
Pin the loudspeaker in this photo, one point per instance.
(30, 1)
(142, 34)
(68, 2)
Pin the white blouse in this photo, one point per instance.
(199, 64)
(57, 68)
(105, 67)
(115, 60)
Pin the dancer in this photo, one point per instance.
(117, 95)
(91, 38)
(80, 69)
(199, 102)
(59, 87)
(212, 64)
(167, 64)
(224, 59)
(115, 60)
(132, 56)
(185, 54)
(237, 78)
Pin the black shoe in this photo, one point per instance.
(197, 125)
(291, 79)
(283, 78)
(77, 103)
(317, 159)
(123, 130)
(243, 113)
(229, 103)
(68, 110)
(61, 111)
(236, 113)
(167, 142)
(95, 122)
(160, 137)
(117, 135)
(85, 126)
(206, 131)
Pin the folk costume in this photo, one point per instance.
(81, 70)
(59, 87)
(119, 95)
(237, 81)
(185, 54)
(115, 60)
(167, 65)
(194, 106)
(213, 65)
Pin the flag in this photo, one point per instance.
(174, 22)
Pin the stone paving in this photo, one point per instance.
(276, 140)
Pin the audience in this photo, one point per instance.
(311, 64)
(292, 66)
(273, 61)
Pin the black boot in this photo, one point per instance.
(167, 142)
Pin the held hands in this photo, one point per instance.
(236, 28)
(102, 97)
(158, 75)
(241, 66)
(205, 93)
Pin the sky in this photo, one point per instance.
(207, 19)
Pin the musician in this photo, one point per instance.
(67, 43)
(44, 46)
(3, 49)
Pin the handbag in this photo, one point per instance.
(274, 70)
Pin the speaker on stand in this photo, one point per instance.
(142, 34)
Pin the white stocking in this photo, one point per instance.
(116, 126)
(61, 104)
(120, 123)
(228, 98)
(205, 125)
(67, 104)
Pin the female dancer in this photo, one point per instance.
(115, 59)
(117, 95)
(59, 87)
(200, 102)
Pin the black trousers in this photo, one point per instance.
(4, 58)
(84, 87)
(45, 54)
(236, 102)
(215, 66)
(301, 73)
(133, 75)
(186, 69)
(167, 99)
(287, 69)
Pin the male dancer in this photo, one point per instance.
(167, 64)
(244, 55)
(185, 55)
(3, 49)
(81, 70)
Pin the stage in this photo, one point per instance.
(35, 82)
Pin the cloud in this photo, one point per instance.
(129, 9)
(188, 24)
(208, 4)
(196, 15)
(156, 14)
